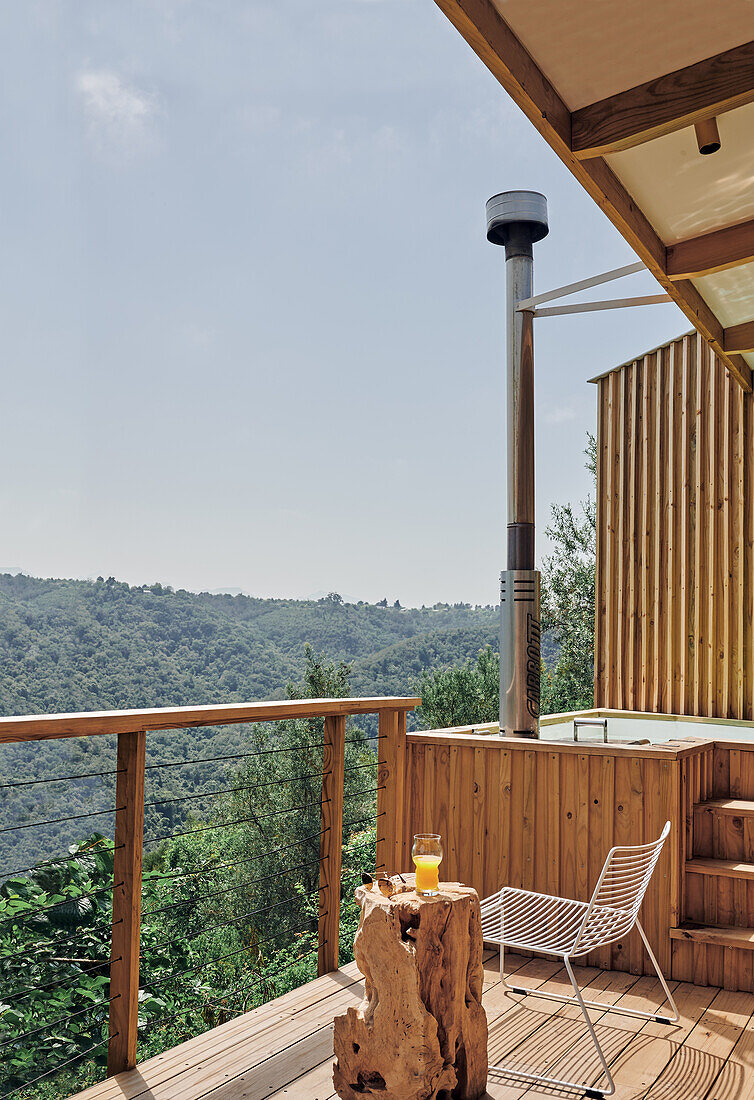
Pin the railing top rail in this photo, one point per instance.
(44, 727)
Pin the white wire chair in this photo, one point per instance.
(566, 928)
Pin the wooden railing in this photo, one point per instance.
(132, 728)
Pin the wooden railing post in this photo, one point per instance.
(129, 845)
(391, 854)
(331, 842)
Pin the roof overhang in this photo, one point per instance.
(616, 90)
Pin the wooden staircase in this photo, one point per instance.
(719, 876)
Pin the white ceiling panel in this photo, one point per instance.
(730, 294)
(591, 49)
(684, 194)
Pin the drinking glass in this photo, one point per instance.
(427, 854)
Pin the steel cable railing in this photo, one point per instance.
(241, 884)
(55, 939)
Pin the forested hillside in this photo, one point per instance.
(74, 645)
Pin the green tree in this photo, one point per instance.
(568, 599)
(461, 696)
(469, 693)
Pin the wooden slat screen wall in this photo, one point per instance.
(543, 817)
(675, 591)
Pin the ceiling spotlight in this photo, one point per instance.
(707, 136)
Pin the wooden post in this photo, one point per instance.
(331, 842)
(391, 853)
(124, 954)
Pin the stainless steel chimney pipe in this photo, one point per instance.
(516, 220)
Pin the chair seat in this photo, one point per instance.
(541, 922)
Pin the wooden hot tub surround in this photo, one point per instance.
(542, 815)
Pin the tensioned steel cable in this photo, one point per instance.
(62, 820)
(237, 920)
(57, 904)
(192, 969)
(364, 820)
(61, 779)
(64, 859)
(57, 1069)
(369, 790)
(256, 818)
(65, 939)
(238, 862)
(62, 981)
(230, 889)
(268, 977)
(230, 954)
(234, 756)
(62, 1019)
(371, 764)
(261, 752)
(300, 930)
(232, 790)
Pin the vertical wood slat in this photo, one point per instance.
(674, 606)
(331, 843)
(127, 867)
(391, 794)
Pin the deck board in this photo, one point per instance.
(282, 1050)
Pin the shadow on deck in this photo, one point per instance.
(284, 1048)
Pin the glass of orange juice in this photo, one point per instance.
(427, 855)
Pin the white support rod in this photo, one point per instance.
(594, 307)
(582, 284)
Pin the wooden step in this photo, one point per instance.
(727, 868)
(742, 938)
(734, 807)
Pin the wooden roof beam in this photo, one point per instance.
(485, 30)
(665, 104)
(739, 338)
(717, 251)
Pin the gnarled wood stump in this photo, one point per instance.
(421, 1032)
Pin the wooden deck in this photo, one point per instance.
(283, 1049)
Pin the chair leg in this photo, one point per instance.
(676, 1014)
(542, 1079)
(602, 1006)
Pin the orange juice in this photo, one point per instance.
(427, 873)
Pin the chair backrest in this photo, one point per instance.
(619, 892)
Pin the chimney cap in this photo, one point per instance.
(526, 211)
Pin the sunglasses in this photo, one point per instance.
(385, 884)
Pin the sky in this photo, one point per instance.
(252, 333)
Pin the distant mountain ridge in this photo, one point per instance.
(70, 645)
(82, 645)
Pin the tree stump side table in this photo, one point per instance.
(421, 1031)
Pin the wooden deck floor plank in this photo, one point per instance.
(200, 1078)
(312, 1000)
(287, 1065)
(736, 1079)
(578, 1059)
(698, 1062)
(282, 1051)
(558, 1027)
(649, 1050)
(315, 1084)
(538, 1038)
(310, 1085)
